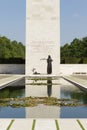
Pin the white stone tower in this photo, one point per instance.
(42, 35)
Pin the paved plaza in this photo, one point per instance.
(43, 124)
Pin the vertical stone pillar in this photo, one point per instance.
(42, 35)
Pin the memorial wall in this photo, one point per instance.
(42, 35)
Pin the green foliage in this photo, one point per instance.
(11, 51)
(75, 52)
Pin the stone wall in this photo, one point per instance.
(65, 69)
(12, 69)
(68, 69)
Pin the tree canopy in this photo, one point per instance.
(75, 52)
(11, 51)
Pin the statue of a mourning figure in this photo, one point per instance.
(49, 65)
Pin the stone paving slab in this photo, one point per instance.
(48, 124)
(84, 123)
(43, 124)
(67, 124)
(22, 124)
(4, 123)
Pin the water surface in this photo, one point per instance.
(50, 88)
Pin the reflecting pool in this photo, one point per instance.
(58, 88)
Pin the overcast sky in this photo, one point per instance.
(73, 19)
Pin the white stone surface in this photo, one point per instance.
(22, 124)
(68, 124)
(81, 82)
(42, 35)
(68, 69)
(42, 124)
(65, 69)
(42, 111)
(9, 79)
(84, 123)
(4, 123)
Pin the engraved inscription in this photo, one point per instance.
(41, 11)
(40, 46)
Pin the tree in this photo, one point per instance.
(75, 52)
(11, 51)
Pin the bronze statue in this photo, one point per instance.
(49, 65)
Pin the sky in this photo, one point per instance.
(12, 19)
(73, 19)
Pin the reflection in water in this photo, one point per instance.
(44, 90)
(49, 87)
(12, 92)
(76, 93)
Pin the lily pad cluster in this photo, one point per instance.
(34, 101)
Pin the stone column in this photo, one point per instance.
(42, 35)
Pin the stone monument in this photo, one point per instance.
(42, 36)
